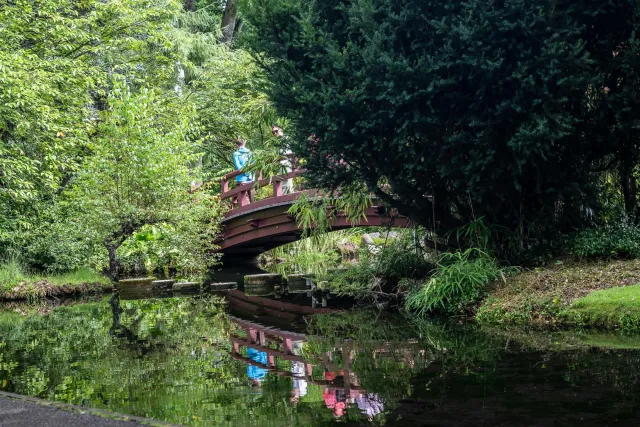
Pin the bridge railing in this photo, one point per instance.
(240, 194)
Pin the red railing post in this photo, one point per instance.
(253, 335)
(242, 199)
(288, 346)
(277, 188)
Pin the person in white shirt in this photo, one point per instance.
(287, 188)
(298, 370)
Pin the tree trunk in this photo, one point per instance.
(116, 239)
(239, 25)
(229, 21)
(629, 184)
(114, 266)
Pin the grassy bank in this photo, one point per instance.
(602, 294)
(16, 284)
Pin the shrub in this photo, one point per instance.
(460, 279)
(620, 241)
(382, 272)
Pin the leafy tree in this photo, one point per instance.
(223, 82)
(139, 174)
(448, 111)
(56, 59)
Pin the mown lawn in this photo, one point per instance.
(610, 308)
(543, 294)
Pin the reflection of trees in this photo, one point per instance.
(90, 355)
(117, 329)
(77, 353)
(423, 368)
(125, 334)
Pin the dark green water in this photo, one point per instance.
(173, 360)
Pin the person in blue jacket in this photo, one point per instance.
(255, 373)
(241, 158)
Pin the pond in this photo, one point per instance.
(196, 361)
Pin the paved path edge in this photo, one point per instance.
(89, 411)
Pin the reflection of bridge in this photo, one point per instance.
(277, 343)
(330, 363)
(265, 224)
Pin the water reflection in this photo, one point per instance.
(186, 361)
(265, 346)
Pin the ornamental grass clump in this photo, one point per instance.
(460, 279)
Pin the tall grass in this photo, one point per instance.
(383, 274)
(11, 274)
(460, 279)
(78, 277)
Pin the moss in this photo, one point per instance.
(544, 296)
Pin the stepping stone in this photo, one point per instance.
(262, 284)
(297, 283)
(162, 285)
(132, 283)
(223, 286)
(323, 285)
(186, 286)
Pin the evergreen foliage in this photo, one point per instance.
(452, 111)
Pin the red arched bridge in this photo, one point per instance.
(255, 227)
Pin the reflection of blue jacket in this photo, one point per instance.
(240, 160)
(255, 372)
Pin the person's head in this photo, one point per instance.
(240, 143)
(256, 383)
(277, 131)
(295, 396)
